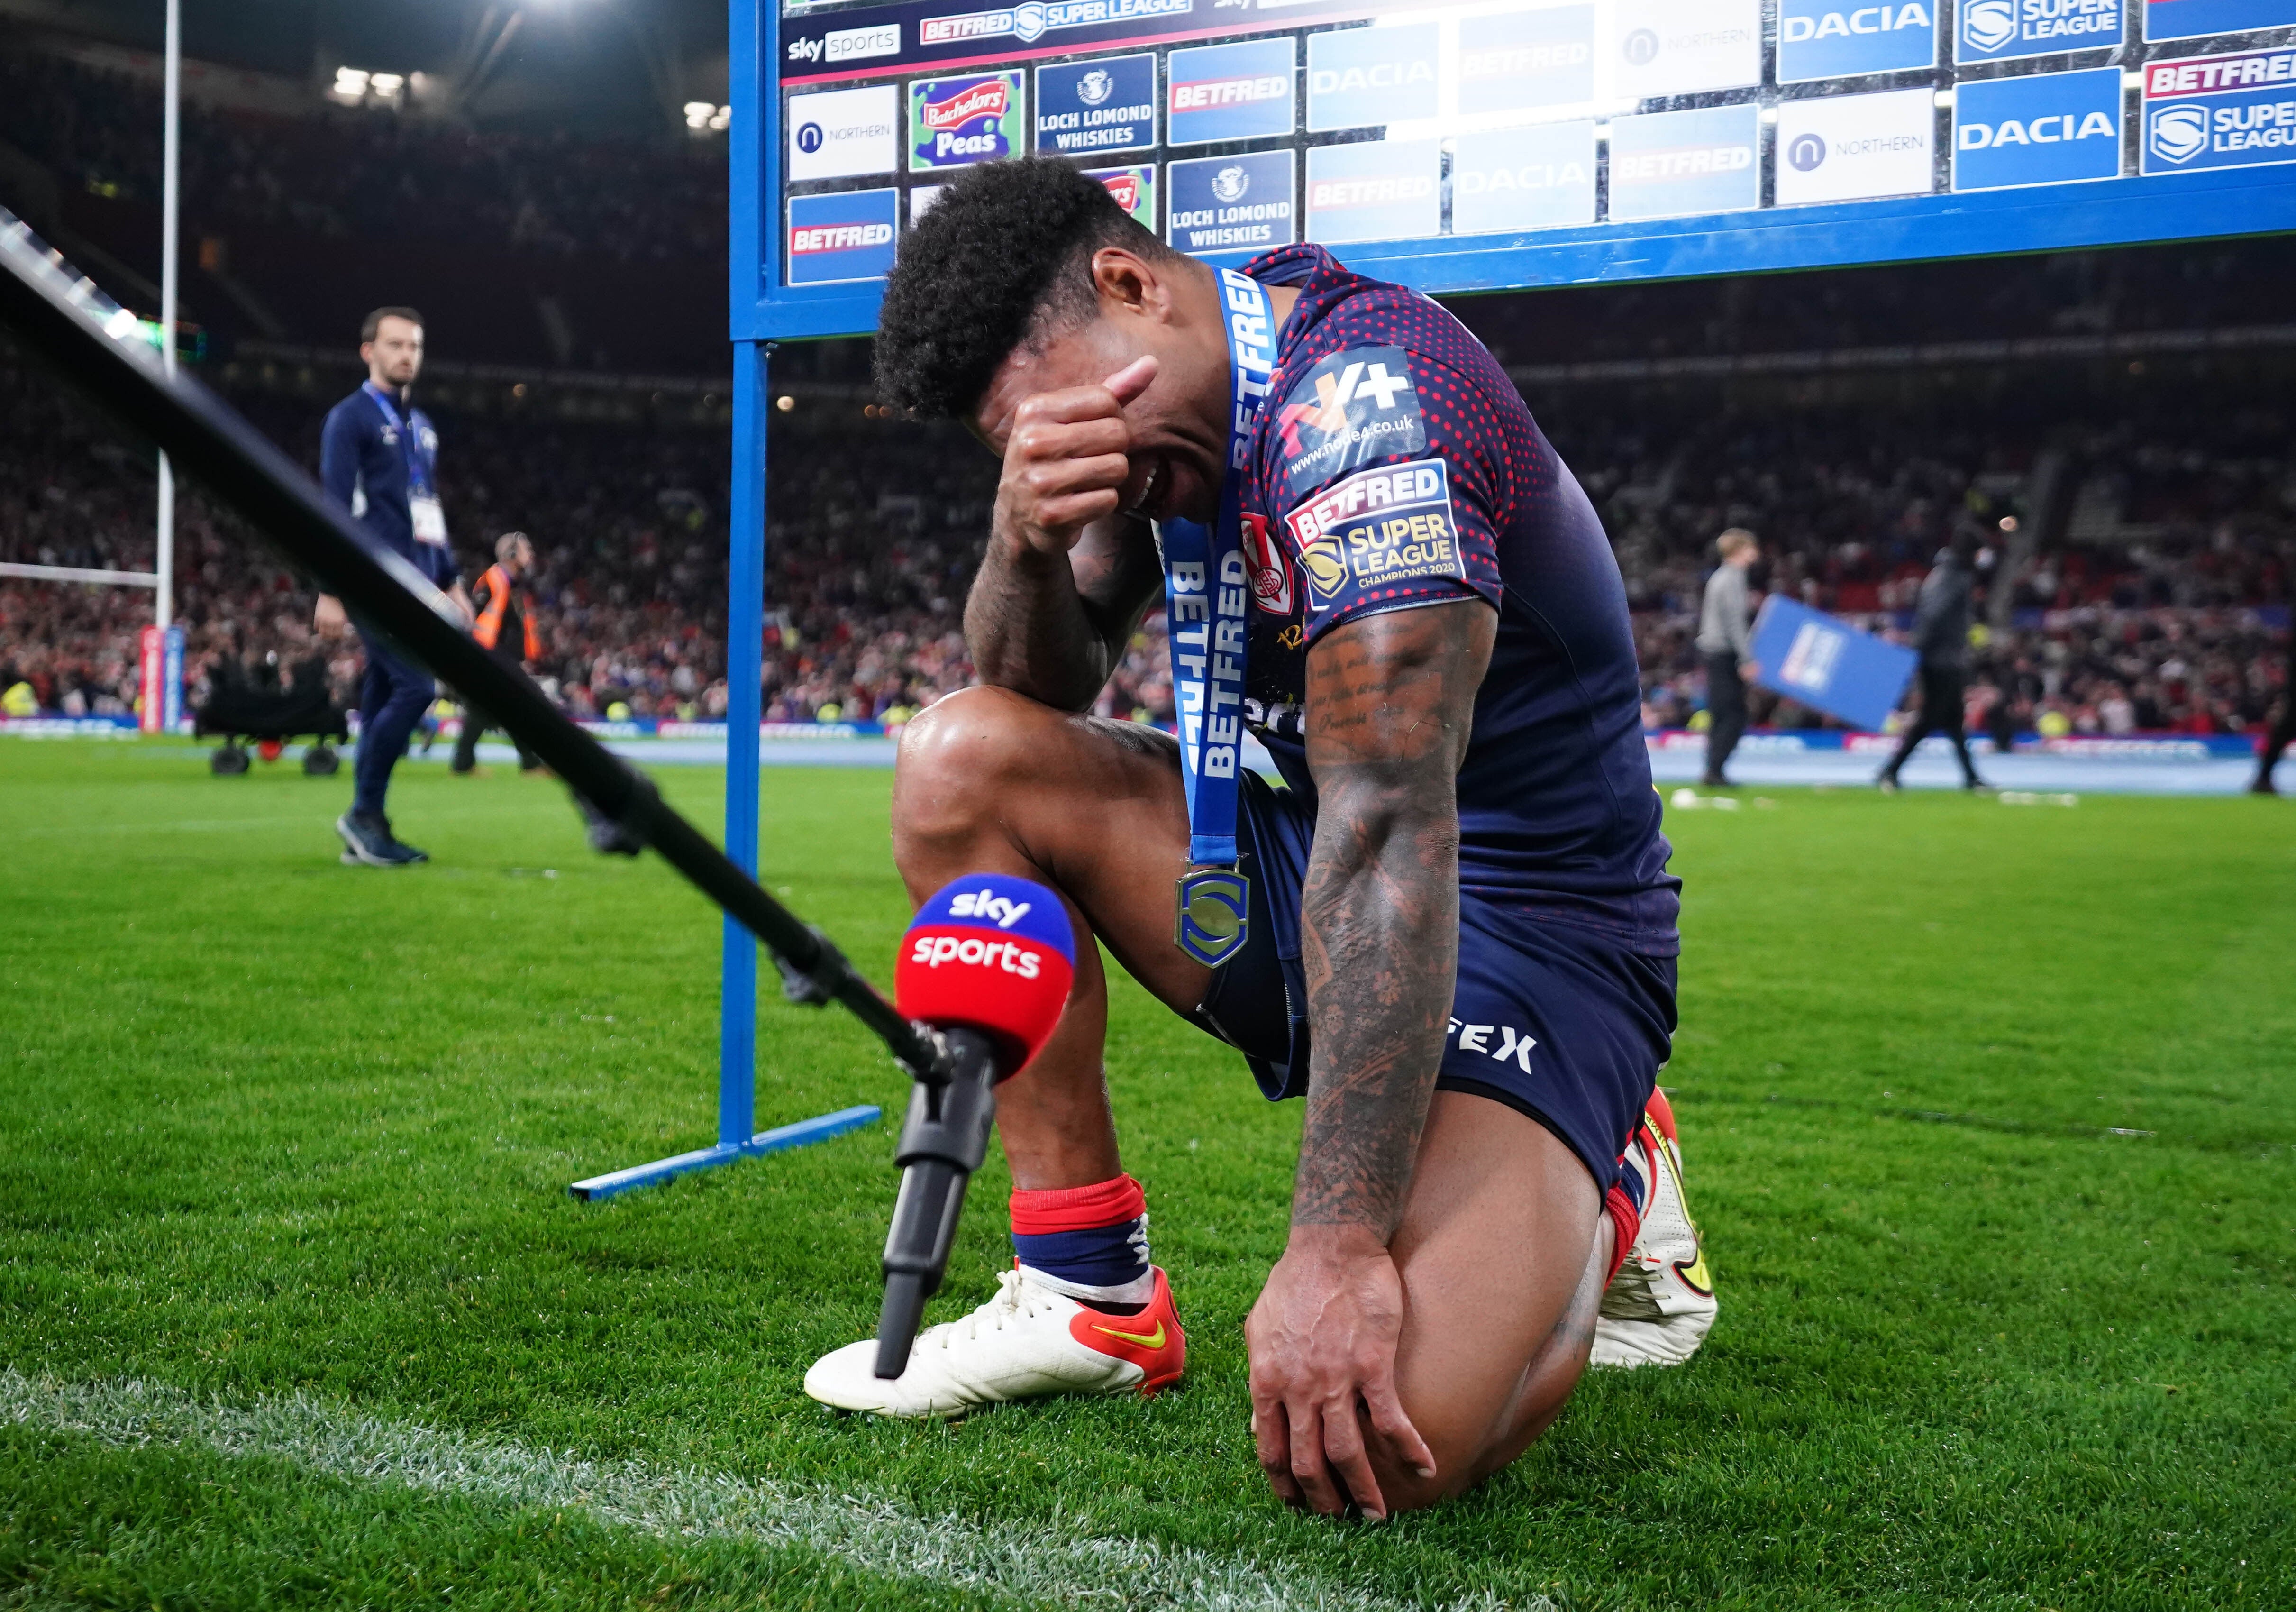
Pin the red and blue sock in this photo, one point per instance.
(1090, 1243)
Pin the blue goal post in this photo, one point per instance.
(1465, 147)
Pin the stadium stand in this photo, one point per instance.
(1858, 420)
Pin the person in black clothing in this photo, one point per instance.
(1941, 638)
(2284, 731)
(504, 627)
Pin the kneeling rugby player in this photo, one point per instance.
(1459, 941)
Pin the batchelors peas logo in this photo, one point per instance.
(1230, 183)
(955, 121)
(1805, 152)
(1096, 86)
(1988, 24)
(2180, 133)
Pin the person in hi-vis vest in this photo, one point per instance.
(505, 627)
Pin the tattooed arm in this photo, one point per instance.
(1390, 699)
(1067, 575)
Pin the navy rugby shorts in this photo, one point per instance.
(1554, 1019)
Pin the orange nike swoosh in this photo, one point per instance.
(1153, 1340)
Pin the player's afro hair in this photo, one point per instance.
(1002, 258)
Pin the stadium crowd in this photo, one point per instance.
(361, 174)
(2162, 617)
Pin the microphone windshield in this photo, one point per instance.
(993, 953)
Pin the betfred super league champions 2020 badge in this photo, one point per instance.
(954, 122)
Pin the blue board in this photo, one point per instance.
(1823, 663)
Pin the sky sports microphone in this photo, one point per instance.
(987, 962)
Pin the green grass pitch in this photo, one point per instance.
(1988, 1113)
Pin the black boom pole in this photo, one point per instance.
(96, 344)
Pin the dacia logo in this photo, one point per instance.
(804, 50)
(1001, 910)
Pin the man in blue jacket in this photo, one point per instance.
(379, 456)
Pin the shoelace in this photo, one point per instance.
(1006, 1303)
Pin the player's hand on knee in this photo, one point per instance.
(1323, 1340)
(1067, 459)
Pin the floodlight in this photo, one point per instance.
(352, 82)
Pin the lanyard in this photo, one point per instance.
(1207, 598)
(418, 473)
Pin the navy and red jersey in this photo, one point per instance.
(1396, 466)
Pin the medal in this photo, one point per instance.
(1207, 605)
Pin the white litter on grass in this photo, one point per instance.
(1689, 799)
(1016, 1561)
(2026, 797)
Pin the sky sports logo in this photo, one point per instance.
(1031, 22)
(849, 44)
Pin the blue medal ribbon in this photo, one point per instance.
(418, 472)
(1207, 606)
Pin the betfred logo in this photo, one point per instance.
(839, 238)
(984, 100)
(1231, 92)
(1206, 94)
(844, 237)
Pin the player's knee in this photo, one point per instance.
(962, 758)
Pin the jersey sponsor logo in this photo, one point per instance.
(1512, 1047)
(1353, 408)
(1377, 527)
(1271, 570)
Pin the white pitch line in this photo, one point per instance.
(1026, 1562)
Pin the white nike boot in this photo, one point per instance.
(1658, 1308)
(1027, 1342)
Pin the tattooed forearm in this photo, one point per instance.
(1390, 699)
(1054, 626)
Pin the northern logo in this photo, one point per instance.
(1805, 152)
(808, 137)
(1640, 47)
